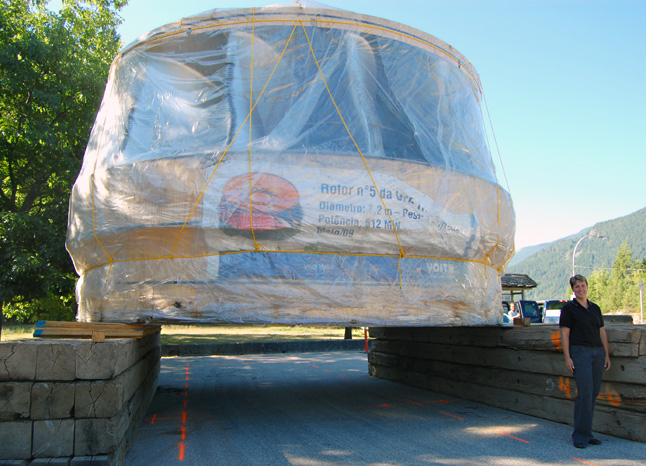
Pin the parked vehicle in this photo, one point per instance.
(530, 309)
(552, 312)
(551, 304)
(552, 316)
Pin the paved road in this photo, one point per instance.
(323, 409)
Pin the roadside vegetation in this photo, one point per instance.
(53, 70)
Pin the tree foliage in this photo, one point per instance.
(53, 69)
(617, 290)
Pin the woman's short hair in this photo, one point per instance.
(577, 278)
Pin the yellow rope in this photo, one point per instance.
(253, 32)
(365, 162)
(231, 143)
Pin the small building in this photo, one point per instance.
(514, 286)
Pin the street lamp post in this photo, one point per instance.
(590, 235)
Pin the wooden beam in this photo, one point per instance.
(97, 331)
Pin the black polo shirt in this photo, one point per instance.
(584, 324)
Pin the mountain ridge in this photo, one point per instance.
(550, 264)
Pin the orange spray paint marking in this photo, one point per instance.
(511, 436)
(611, 396)
(451, 415)
(564, 385)
(183, 417)
(185, 394)
(152, 421)
(417, 403)
(183, 430)
(185, 402)
(556, 339)
(583, 461)
(181, 451)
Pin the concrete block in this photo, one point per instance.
(56, 360)
(100, 361)
(103, 436)
(18, 360)
(97, 399)
(14, 463)
(105, 398)
(53, 438)
(52, 400)
(15, 400)
(15, 440)
(98, 436)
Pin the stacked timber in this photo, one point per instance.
(517, 368)
(65, 399)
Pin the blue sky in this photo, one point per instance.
(565, 86)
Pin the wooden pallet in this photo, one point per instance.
(97, 331)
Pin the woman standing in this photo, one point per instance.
(585, 347)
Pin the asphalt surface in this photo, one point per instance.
(324, 409)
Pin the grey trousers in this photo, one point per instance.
(588, 370)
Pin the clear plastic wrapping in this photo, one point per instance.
(290, 165)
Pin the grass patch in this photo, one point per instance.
(14, 332)
(192, 334)
(195, 334)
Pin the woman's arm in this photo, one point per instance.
(565, 345)
(604, 341)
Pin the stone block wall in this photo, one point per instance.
(72, 401)
(517, 368)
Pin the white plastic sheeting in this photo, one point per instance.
(286, 165)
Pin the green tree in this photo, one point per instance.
(53, 70)
(618, 282)
(598, 289)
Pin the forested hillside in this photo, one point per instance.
(551, 267)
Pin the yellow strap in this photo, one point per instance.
(365, 162)
(230, 144)
(251, 106)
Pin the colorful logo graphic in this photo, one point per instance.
(275, 206)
